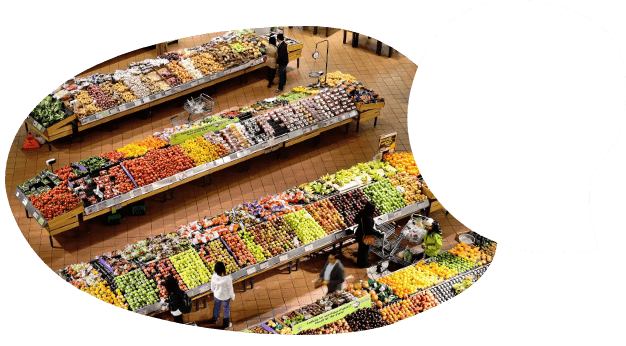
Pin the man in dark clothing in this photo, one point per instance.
(333, 274)
(365, 221)
(282, 60)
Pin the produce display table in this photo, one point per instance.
(183, 177)
(72, 125)
(368, 111)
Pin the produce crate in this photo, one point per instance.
(138, 209)
(63, 220)
(114, 219)
(361, 107)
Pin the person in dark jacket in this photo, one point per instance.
(282, 60)
(271, 52)
(175, 300)
(365, 221)
(333, 274)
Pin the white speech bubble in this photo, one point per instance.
(519, 110)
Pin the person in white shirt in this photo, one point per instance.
(333, 274)
(223, 293)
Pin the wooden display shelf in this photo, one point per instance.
(361, 107)
(62, 220)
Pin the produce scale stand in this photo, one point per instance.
(71, 125)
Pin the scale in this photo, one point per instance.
(318, 74)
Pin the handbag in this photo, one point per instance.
(318, 282)
(368, 239)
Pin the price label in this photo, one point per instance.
(308, 248)
(283, 258)
(251, 271)
(177, 89)
(122, 108)
(168, 92)
(25, 201)
(226, 159)
(113, 111)
(35, 215)
(264, 145)
(209, 165)
(264, 265)
(297, 133)
(247, 152)
(98, 116)
(41, 221)
(137, 103)
(314, 127)
(89, 210)
(239, 154)
(306, 130)
(219, 162)
(397, 214)
(17, 194)
(194, 83)
(147, 189)
(154, 97)
(180, 176)
(145, 99)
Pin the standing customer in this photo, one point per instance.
(365, 221)
(271, 52)
(177, 301)
(223, 293)
(432, 240)
(333, 274)
(282, 60)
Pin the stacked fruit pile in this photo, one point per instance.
(202, 151)
(456, 263)
(426, 300)
(409, 185)
(140, 148)
(402, 162)
(275, 236)
(169, 161)
(189, 266)
(349, 204)
(326, 216)
(400, 310)
(470, 253)
(138, 291)
(489, 250)
(159, 272)
(436, 269)
(257, 251)
(364, 319)
(214, 252)
(304, 226)
(102, 291)
(55, 202)
(408, 280)
(238, 247)
(385, 196)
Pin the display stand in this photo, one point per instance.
(367, 112)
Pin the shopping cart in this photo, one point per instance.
(385, 245)
(196, 109)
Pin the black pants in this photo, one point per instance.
(363, 255)
(179, 319)
(271, 73)
(282, 76)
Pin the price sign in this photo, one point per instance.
(396, 214)
(209, 165)
(283, 258)
(264, 145)
(36, 215)
(180, 176)
(122, 108)
(226, 159)
(154, 97)
(247, 152)
(145, 99)
(177, 89)
(168, 92)
(147, 189)
(239, 154)
(194, 83)
(251, 271)
(98, 116)
(137, 103)
(296, 133)
(314, 127)
(113, 111)
(41, 221)
(306, 130)
(308, 248)
(25, 201)
(101, 205)
(90, 209)
(219, 162)
(264, 265)
(17, 194)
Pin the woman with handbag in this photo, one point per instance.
(364, 234)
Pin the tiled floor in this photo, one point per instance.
(390, 77)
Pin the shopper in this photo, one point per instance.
(177, 301)
(333, 274)
(365, 221)
(272, 53)
(282, 60)
(223, 294)
(432, 240)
